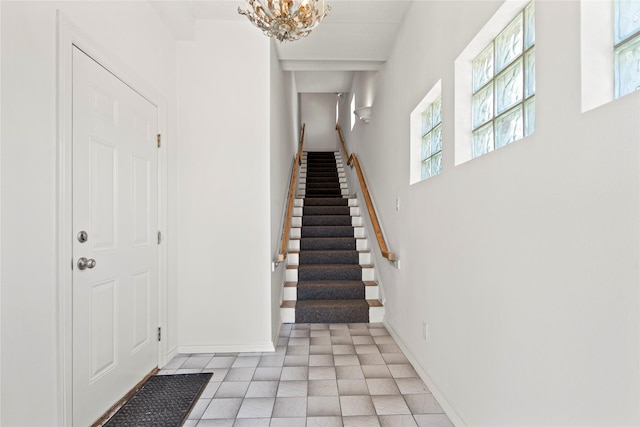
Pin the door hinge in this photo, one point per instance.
(159, 333)
(159, 237)
(159, 138)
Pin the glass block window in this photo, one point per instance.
(627, 46)
(431, 148)
(503, 81)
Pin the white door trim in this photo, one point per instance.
(70, 35)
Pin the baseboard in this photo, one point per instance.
(231, 348)
(172, 353)
(446, 406)
(276, 335)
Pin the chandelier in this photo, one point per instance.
(285, 19)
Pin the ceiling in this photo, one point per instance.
(356, 35)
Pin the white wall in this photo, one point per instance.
(318, 113)
(224, 247)
(129, 32)
(284, 146)
(524, 262)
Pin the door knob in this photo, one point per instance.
(84, 263)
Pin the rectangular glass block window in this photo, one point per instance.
(529, 25)
(509, 43)
(431, 152)
(627, 47)
(509, 87)
(503, 75)
(483, 68)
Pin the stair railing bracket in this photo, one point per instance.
(280, 259)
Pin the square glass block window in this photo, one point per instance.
(503, 81)
(627, 47)
(431, 150)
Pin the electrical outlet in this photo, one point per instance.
(398, 203)
(425, 330)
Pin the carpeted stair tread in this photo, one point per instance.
(295, 284)
(330, 201)
(332, 185)
(330, 290)
(325, 210)
(316, 164)
(329, 257)
(314, 272)
(324, 190)
(332, 311)
(309, 179)
(324, 193)
(315, 220)
(331, 173)
(327, 231)
(327, 243)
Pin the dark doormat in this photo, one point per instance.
(163, 401)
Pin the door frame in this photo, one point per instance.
(69, 35)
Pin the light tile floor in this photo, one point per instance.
(324, 375)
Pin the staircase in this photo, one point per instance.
(329, 276)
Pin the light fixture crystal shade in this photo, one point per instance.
(285, 19)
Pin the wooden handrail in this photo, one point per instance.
(301, 143)
(352, 160)
(292, 195)
(344, 147)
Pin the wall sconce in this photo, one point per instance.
(363, 113)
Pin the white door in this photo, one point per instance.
(115, 202)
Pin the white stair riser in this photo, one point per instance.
(361, 245)
(376, 314)
(370, 292)
(364, 258)
(288, 315)
(293, 259)
(294, 245)
(291, 293)
(368, 274)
